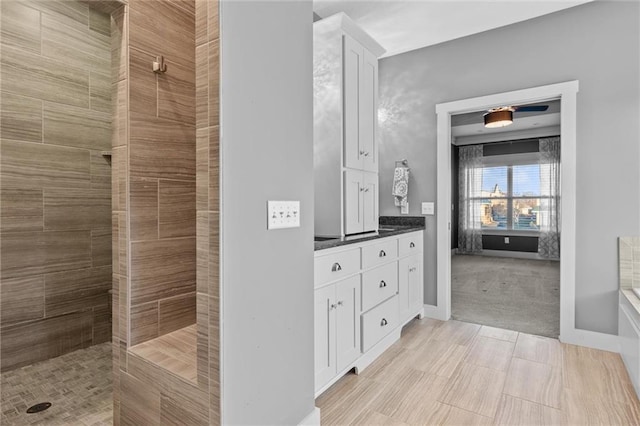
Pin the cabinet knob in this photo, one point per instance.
(340, 303)
(412, 245)
(333, 306)
(366, 190)
(412, 269)
(382, 253)
(364, 153)
(383, 322)
(361, 189)
(336, 267)
(383, 284)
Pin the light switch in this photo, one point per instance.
(283, 214)
(404, 209)
(428, 208)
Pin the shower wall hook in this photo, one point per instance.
(159, 66)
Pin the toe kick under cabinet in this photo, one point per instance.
(364, 294)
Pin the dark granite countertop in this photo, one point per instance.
(388, 226)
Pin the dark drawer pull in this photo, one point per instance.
(411, 245)
(383, 322)
(382, 253)
(336, 267)
(383, 284)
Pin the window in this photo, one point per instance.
(510, 197)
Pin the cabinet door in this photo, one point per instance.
(347, 322)
(403, 288)
(370, 201)
(416, 287)
(353, 198)
(368, 112)
(353, 52)
(410, 286)
(324, 335)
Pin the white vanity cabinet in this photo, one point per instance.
(345, 131)
(364, 294)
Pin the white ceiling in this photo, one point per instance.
(404, 25)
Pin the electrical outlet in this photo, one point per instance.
(404, 209)
(428, 208)
(283, 214)
(506, 240)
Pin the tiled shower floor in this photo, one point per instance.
(78, 385)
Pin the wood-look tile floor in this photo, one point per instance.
(78, 384)
(456, 373)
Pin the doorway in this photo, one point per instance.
(566, 93)
(505, 237)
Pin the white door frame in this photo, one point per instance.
(567, 93)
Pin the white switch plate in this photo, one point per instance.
(428, 208)
(283, 214)
(404, 209)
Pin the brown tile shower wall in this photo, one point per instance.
(55, 184)
(155, 202)
(208, 198)
(161, 169)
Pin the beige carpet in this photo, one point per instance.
(516, 294)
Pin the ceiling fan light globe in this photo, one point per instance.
(501, 123)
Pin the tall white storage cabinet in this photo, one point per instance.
(345, 71)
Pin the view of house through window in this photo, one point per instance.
(510, 197)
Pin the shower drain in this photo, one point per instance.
(41, 406)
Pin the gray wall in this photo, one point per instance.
(598, 44)
(267, 154)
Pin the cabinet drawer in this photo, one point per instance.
(335, 266)
(411, 244)
(379, 253)
(379, 322)
(379, 284)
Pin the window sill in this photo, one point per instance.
(511, 233)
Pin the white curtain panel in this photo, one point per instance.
(470, 204)
(549, 239)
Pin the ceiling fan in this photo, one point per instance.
(503, 116)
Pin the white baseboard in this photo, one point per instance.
(591, 339)
(313, 419)
(432, 311)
